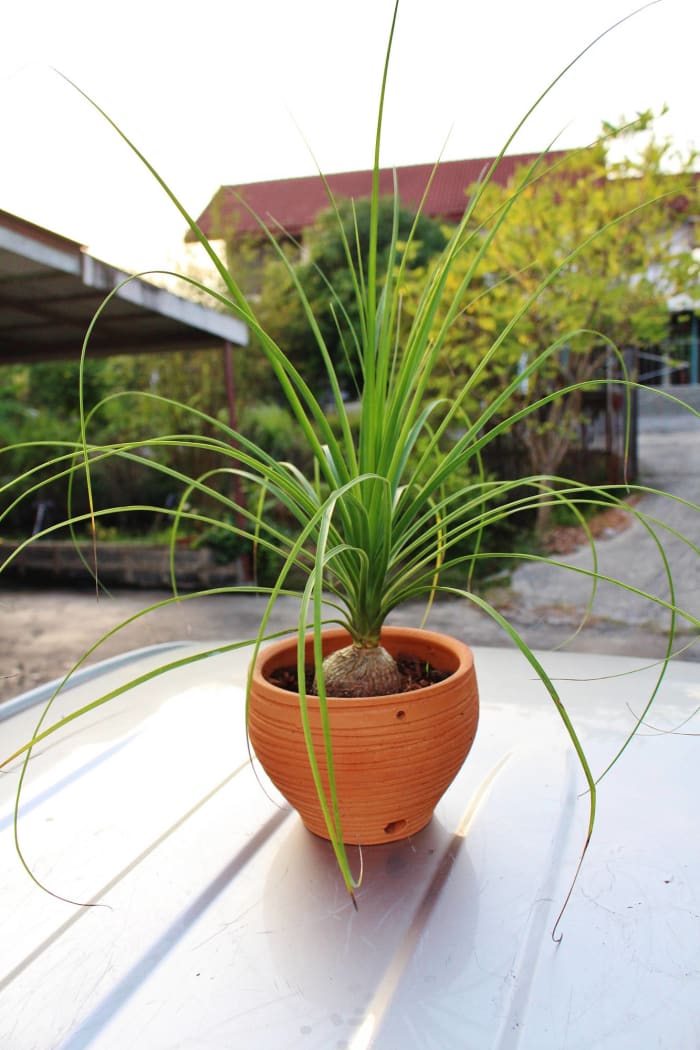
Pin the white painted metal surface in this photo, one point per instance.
(221, 923)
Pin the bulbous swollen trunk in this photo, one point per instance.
(361, 671)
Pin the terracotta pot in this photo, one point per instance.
(394, 756)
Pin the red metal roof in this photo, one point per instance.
(294, 204)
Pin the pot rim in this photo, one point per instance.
(453, 646)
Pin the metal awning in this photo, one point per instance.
(51, 287)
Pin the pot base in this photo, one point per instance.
(393, 831)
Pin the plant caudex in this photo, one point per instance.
(397, 495)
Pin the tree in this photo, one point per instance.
(610, 232)
(324, 266)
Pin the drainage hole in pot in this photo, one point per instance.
(393, 826)
(400, 714)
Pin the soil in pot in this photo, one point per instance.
(415, 674)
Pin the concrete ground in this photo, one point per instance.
(44, 631)
(669, 460)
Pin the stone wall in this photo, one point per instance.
(119, 564)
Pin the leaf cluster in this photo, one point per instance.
(325, 264)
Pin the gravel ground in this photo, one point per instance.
(44, 631)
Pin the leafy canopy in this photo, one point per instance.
(326, 264)
(628, 214)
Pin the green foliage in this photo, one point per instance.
(591, 245)
(262, 562)
(327, 273)
(54, 386)
(274, 429)
(41, 410)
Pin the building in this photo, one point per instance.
(290, 206)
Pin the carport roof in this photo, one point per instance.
(50, 288)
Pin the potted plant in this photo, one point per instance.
(395, 509)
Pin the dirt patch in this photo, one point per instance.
(564, 539)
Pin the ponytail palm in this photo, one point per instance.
(396, 496)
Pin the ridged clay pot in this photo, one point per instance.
(394, 756)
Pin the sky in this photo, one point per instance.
(217, 93)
